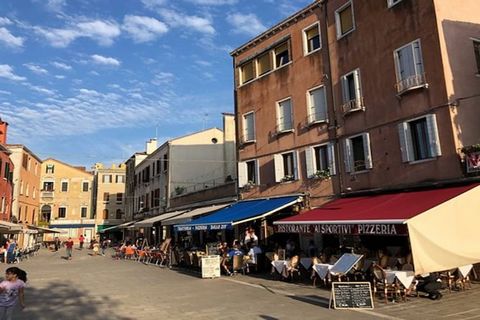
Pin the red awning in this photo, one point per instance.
(393, 208)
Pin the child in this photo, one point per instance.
(11, 290)
(95, 248)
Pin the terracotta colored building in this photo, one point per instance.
(6, 169)
(349, 95)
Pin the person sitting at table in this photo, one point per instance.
(312, 249)
(225, 259)
(251, 257)
(383, 259)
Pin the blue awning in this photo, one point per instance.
(240, 212)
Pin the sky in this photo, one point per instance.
(87, 81)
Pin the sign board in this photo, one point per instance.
(353, 229)
(210, 266)
(351, 295)
(473, 162)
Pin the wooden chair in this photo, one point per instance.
(381, 285)
(293, 267)
(448, 278)
(238, 264)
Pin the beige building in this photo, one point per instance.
(66, 199)
(26, 178)
(109, 195)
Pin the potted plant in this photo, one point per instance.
(471, 149)
(288, 178)
(322, 174)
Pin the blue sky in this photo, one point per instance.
(90, 81)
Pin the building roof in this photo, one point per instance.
(68, 165)
(24, 148)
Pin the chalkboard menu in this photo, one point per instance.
(210, 266)
(352, 295)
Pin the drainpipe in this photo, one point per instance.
(237, 134)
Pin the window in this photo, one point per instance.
(50, 168)
(352, 92)
(357, 153)
(165, 162)
(247, 72)
(64, 186)
(249, 127)
(156, 198)
(6, 173)
(105, 213)
(106, 197)
(264, 63)
(3, 207)
(121, 178)
(83, 212)
(311, 39)
(25, 161)
(284, 116)
(409, 67)
(320, 161)
(62, 212)
(344, 20)
(36, 168)
(119, 197)
(419, 139)
(21, 187)
(48, 186)
(248, 173)
(286, 166)
(159, 168)
(85, 186)
(34, 193)
(317, 105)
(1, 167)
(476, 51)
(282, 55)
(119, 214)
(107, 178)
(391, 3)
(27, 190)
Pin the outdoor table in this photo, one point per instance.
(322, 269)
(280, 266)
(306, 262)
(405, 277)
(465, 270)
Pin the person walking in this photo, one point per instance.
(11, 291)
(81, 240)
(104, 246)
(69, 247)
(56, 243)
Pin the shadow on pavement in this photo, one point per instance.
(312, 299)
(63, 301)
(262, 316)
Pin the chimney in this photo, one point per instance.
(3, 132)
(151, 146)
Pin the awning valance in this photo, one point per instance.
(240, 212)
(151, 221)
(118, 227)
(43, 230)
(6, 226)
(189, 215)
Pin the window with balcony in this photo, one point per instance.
(352, 92)
(64, 186)
(248, 173)
(83, 212)
(249, 127)
(85, 186)
(286, 168)
(284, 116)
(282, 55)
(320, 161)
(357, 153)
(419, 139)
(317, 105)
(107, 178)
(62, 212)
(50, 168)
(311, 39)
(476, 51)
(344, 20)
(48, 186)
(409, 67)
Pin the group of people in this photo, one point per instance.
(94, 245)
(8, 248)
(248, 249)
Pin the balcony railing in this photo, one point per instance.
(46, 194)
(353, 105)
(412, 82)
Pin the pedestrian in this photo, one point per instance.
(104, 246)
(11, 291)
(56, 243)
(96, 247)
(69, 246)
(81, 240)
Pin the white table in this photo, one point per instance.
(280, 266)
(306, 262)
(405, 277)
(465, 270)
(322, 269)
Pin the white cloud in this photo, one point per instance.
(7, 72)
(41, 90)
(103, 32)
(35, 69)
(105, 60)
(246, 24)
(163, 78)
(61, 65)
(203, 63)
(56, 5)
(9, 39)
(214, 2)
(176, 19)
(143, 29)
(152, 4)
(5, 92)
(60, 77)
(5, 21)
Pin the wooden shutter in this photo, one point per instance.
(345, 90)
(406, 143)
(242, 174)
(433, 138)
(278, 167)
(367, 151)
(358, 88)
(417, 55)
(331, 158)
(348, 155)
(257, 172)
(310, 161)
(296, 169)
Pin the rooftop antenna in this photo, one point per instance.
(205, 116)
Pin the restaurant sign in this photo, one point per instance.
(354, 229)
(204, 227)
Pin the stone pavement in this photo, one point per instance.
(102, 288)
